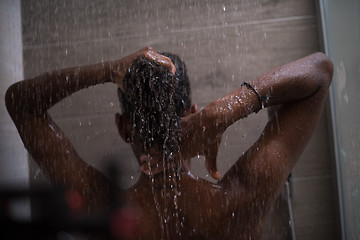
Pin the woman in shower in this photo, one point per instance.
(164, 131)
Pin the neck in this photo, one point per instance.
(169, 178)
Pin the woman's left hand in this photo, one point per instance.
(202, 136)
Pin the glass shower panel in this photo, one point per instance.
(341, 31)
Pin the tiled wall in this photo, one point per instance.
(223, 44)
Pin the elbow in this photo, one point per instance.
(324, 69)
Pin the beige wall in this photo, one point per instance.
(223, 44)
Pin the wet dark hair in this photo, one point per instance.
(182, 90)
(154, 101)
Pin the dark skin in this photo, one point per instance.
(233, 208)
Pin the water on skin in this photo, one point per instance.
(224, 8)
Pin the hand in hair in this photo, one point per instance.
(120, 67)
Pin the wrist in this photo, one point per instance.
(262, 99)
(117, 71)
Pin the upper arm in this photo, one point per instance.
(264, 168)
(58, 159)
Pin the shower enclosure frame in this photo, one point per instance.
(339, 36)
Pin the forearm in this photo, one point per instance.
(38, 94)
(292, 82)
(301, 88)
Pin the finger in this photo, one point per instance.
(210, 163)
(161, 59)
(166, 62)
(172, 67)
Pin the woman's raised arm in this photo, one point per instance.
(302, 83)
(28, 102)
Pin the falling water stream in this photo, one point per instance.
(223, 44)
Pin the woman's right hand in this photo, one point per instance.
(120, 67)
